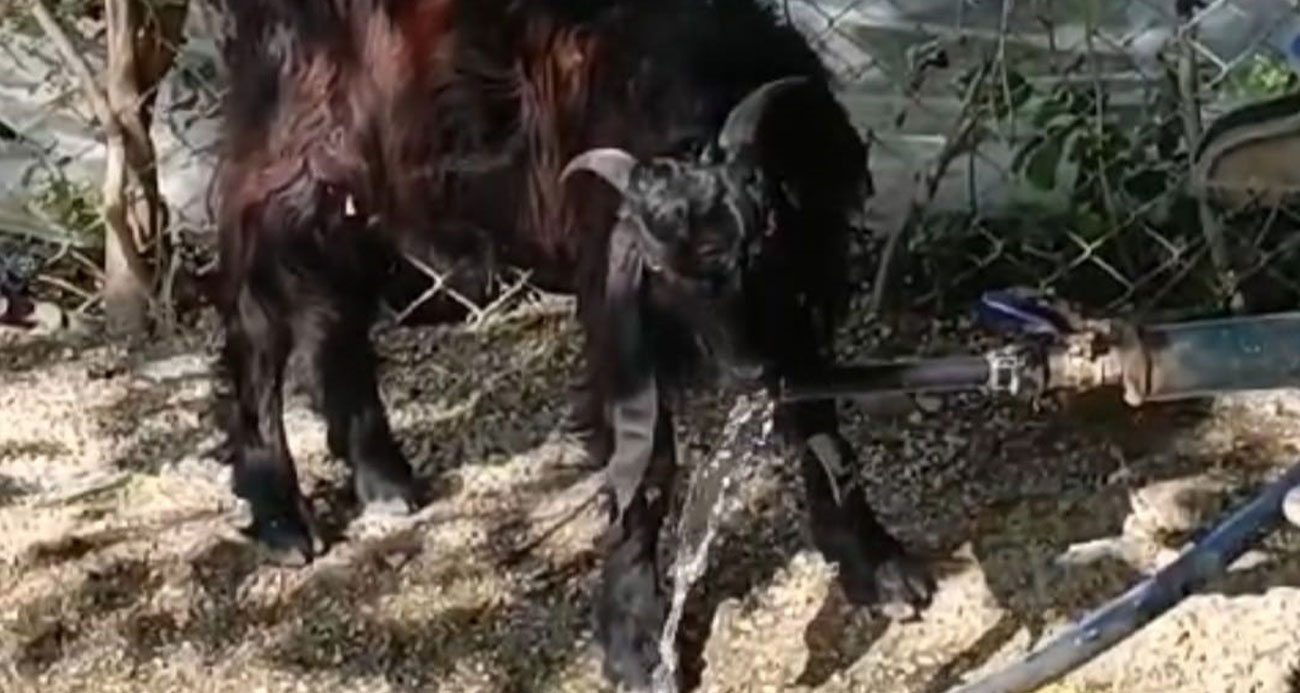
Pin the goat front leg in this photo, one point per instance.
(874, 567)
(630, 607)
(258, 342)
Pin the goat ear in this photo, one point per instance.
(625, 269)
(610, 163)
(740, 129)
(634, 409)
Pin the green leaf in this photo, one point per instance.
(1041, 167)
(1012, 94)
(1050, 109)
(1025, 150)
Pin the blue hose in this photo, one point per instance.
(1119, 619)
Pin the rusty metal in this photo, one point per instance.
(1085, 360)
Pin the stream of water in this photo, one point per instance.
(708, 495)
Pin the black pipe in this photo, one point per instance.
(1120, 618)
(947, 374)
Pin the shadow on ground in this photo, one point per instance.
(459, 598)
(1018, 540)
(479, 598)
(27, 353)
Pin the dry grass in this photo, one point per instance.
(120, 568)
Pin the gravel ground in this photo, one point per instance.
(121, 567)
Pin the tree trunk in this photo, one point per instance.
(126, 274)
(142, 38)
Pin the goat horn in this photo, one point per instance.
(742, 123)
(611, 163)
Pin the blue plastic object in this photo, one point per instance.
(1023, 311)
(1102, 629)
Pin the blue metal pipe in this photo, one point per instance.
(1207, 357)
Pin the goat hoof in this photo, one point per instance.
(630, 659)
(629, 621)
(386, 494)
(286, 540)
(900, 586)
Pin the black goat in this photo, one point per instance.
(714, 245)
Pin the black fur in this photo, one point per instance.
(355, 128)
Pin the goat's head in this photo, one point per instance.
(694, 227)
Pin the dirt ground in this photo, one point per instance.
(121, 567)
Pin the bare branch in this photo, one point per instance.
(75, 62)
(960, 140)
(496, 306)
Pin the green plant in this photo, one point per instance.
(1104, 163)
(73, 206)
(1262, 76)
(1098, 192)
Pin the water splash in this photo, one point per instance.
(707, 498)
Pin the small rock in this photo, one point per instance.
(175, 368)
(1178, 505)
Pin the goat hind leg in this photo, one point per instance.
(358, 427)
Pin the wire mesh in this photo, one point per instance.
(1051, 144)
(1047, 143)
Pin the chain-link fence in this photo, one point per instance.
(1053, 144)
(1048, 143)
